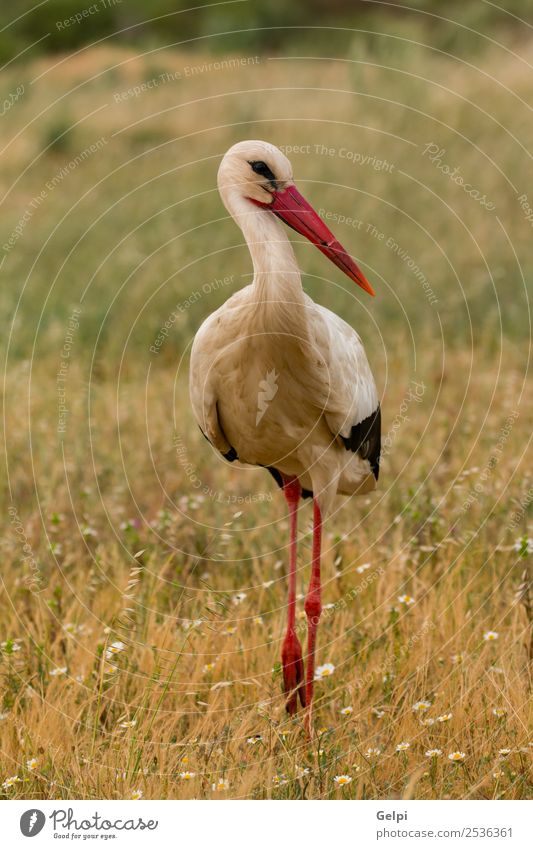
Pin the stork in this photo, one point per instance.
(281, 382)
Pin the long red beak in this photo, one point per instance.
(293, 209)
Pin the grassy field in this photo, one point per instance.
(143, 580)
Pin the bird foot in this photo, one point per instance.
(293, 672)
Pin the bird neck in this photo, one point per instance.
(277, 285)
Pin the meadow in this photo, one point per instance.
(143, 579)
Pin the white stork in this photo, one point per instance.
(281, 382)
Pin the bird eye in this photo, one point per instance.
(262, 168)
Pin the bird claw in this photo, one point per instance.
(293, 673)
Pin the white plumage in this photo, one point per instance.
(323, 385)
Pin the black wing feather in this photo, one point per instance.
(365, 440)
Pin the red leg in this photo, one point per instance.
(291, 652)
(313, 609)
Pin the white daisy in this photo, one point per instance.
(9, 782)
(406, 599)
(324, 671)
(421, 706)
(490, 636)
(341, 780)
(220, 785)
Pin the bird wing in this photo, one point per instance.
(349, 396)
(202, 385)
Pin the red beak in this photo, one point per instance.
(293, 209)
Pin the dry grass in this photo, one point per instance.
(176, 608)
(137, 534)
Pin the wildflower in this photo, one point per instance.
(457, 658)
(220, 785)
(10, 646)
(238, 598)
(128, 723)
(324, 671)
(187, 776)
(59, 670)
(428, 721)
(489, 636)
(188, 624)
(32, 764)
(456, 756)
(258, 620)
(89, 532)
(346, 711)
(137, 794)
(9, 782)
(373, 752)
(114, 648)
(420, 707)
(301, 771)
(433, 753)
(499, 711)
(341, 780)
(253, 740)
(229, 631)
(402, 747)
(524, 546)
(497, 773)
(363, 568)
(378, 713)
(388, 677)
(279, 780)
(208, 667)
(406, 599)
(444, 717)
(504, 752)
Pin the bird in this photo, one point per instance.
(281, 382)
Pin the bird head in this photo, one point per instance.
(259, 174)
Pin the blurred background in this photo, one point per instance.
(383, 110)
